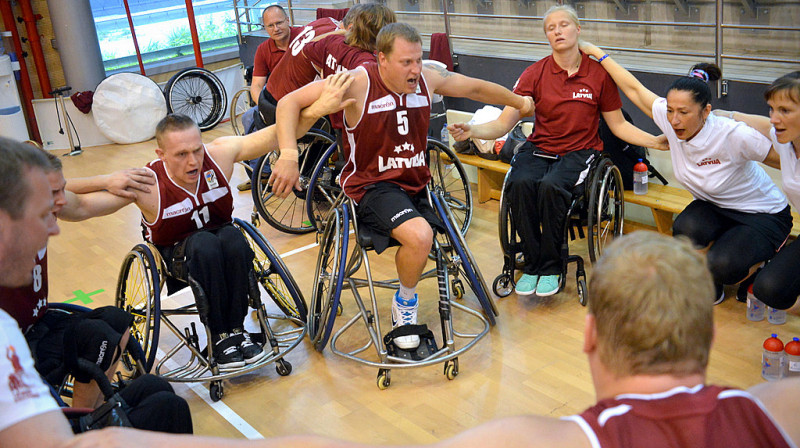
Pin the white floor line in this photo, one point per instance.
(222, 409)
(302, 249)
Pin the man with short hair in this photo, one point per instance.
(270, 52)
(647, 337)
(385, 173)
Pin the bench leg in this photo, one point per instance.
(663, 221)
(490, 184)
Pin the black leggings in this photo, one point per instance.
(738, 240)
(778, 284)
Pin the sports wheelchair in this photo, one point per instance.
(335, 273)
(139, 291)
(597, 203)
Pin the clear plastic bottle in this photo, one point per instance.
(445, 135)
(775, 316)
(755, 308)
(793, 357)
(640, 178)
(773, 359)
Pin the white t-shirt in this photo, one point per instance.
(719, 164)
(23, 394)
(790, 169)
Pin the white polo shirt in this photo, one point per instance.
(790, 169)
(719, 164)
(23, 394)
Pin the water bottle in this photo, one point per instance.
(640, 178)
(793, 357)
(755, 307)
(445, 135)
(775, 316)
(773, 359)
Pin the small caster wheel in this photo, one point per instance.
(384, 380)
(451, 370)
(503, 285)
(283, 367)
(582, 291)
(339, 309)
(458, 289)
(255, 219)
(216, 391)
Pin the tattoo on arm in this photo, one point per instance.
(439, 70)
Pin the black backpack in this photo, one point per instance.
(516, 138)
(624, 155)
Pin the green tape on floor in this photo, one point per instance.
(83, 297)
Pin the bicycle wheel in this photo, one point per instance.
(289, 214)
(448, 174)
(239, 105)
(198, 94)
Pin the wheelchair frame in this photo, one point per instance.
(141, 280)
(602, 211)
(333, 268)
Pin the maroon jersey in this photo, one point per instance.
(181, 212)
(330, 56)
(294, 70)
(27, 304)
(568, 107)
(707, 416)
(388, 142)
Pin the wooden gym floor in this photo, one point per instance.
(531, 362)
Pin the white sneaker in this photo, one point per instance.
(404, 312)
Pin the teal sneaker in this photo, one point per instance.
(548, 285)
(526, 285)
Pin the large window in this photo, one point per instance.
(162, 31)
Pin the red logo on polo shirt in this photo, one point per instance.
(708, 161)
(16, 382)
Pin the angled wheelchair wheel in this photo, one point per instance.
(468, 266)
(606, 207)
(273, 275)
(329, 277)
(289, 214)
(198, 94)
(139, 293)
(324, 192)
(448, 174)
(239, 105)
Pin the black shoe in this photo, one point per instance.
(741, 293)
(251, 352)
(227, 354)
(719, 293)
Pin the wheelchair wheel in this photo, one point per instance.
(289, 214)
(273, 274)
(606, 207)
(139, 293)
(239, 105)
(324, 192)
(329, 277)
(198, 94)
(448, 174)
(468, 266)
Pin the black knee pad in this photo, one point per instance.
(88, 343)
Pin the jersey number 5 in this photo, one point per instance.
(402, 122)
(201, 217)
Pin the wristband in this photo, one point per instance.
(601, 59)
(288, 154)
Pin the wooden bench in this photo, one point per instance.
(490, 175)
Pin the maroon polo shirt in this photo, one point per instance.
(268, 54)
(568, 107)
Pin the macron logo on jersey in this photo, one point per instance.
(181, 208)
(393, 163)
(709, 161)
(382, 105)
(582, 93)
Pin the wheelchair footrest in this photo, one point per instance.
(427, 343)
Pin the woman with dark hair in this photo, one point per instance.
(778, 284)
(738, 214)
(571, 93)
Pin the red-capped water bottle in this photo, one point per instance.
(640, 178)
(755, 308)
(773, 359)
(793, 357)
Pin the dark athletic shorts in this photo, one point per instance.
(385, 206)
